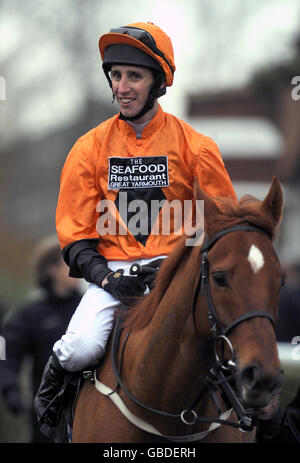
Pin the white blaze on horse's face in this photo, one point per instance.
(256, 258)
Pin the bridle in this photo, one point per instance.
(219, 331)
(216, 327)
(215, 379)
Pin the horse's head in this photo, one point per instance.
(244, 278)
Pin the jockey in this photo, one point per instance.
(140, 154)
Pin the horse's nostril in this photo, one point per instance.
(257, 387)
(251, 376)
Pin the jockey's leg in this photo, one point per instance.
(81, 346)
(51, 383)
(85, 340)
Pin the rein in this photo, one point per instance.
(215, 378)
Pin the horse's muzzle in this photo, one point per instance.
(257, 387)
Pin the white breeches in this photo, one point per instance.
(85, 340)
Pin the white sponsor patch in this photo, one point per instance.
(138, 172)
(255, 258)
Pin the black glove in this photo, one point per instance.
(125, 288)
(13, 400)
(147, 272)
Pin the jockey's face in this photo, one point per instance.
(131, 86)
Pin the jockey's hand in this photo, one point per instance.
(124, 288)
(147, 272)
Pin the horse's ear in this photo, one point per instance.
(211, 209)
(273, 202)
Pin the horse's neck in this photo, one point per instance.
(167, 355)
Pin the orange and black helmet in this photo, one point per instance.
(143, 44)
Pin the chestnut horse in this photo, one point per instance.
(197, 357)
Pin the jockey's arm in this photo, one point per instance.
(85, 261)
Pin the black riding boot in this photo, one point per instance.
(46, 400)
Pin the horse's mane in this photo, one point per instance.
(230, 213)
(141, 313)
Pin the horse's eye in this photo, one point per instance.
(219, 278)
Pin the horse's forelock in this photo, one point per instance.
(248, 210)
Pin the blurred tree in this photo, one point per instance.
(237, 37)
(54, 90)
(48, 48)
